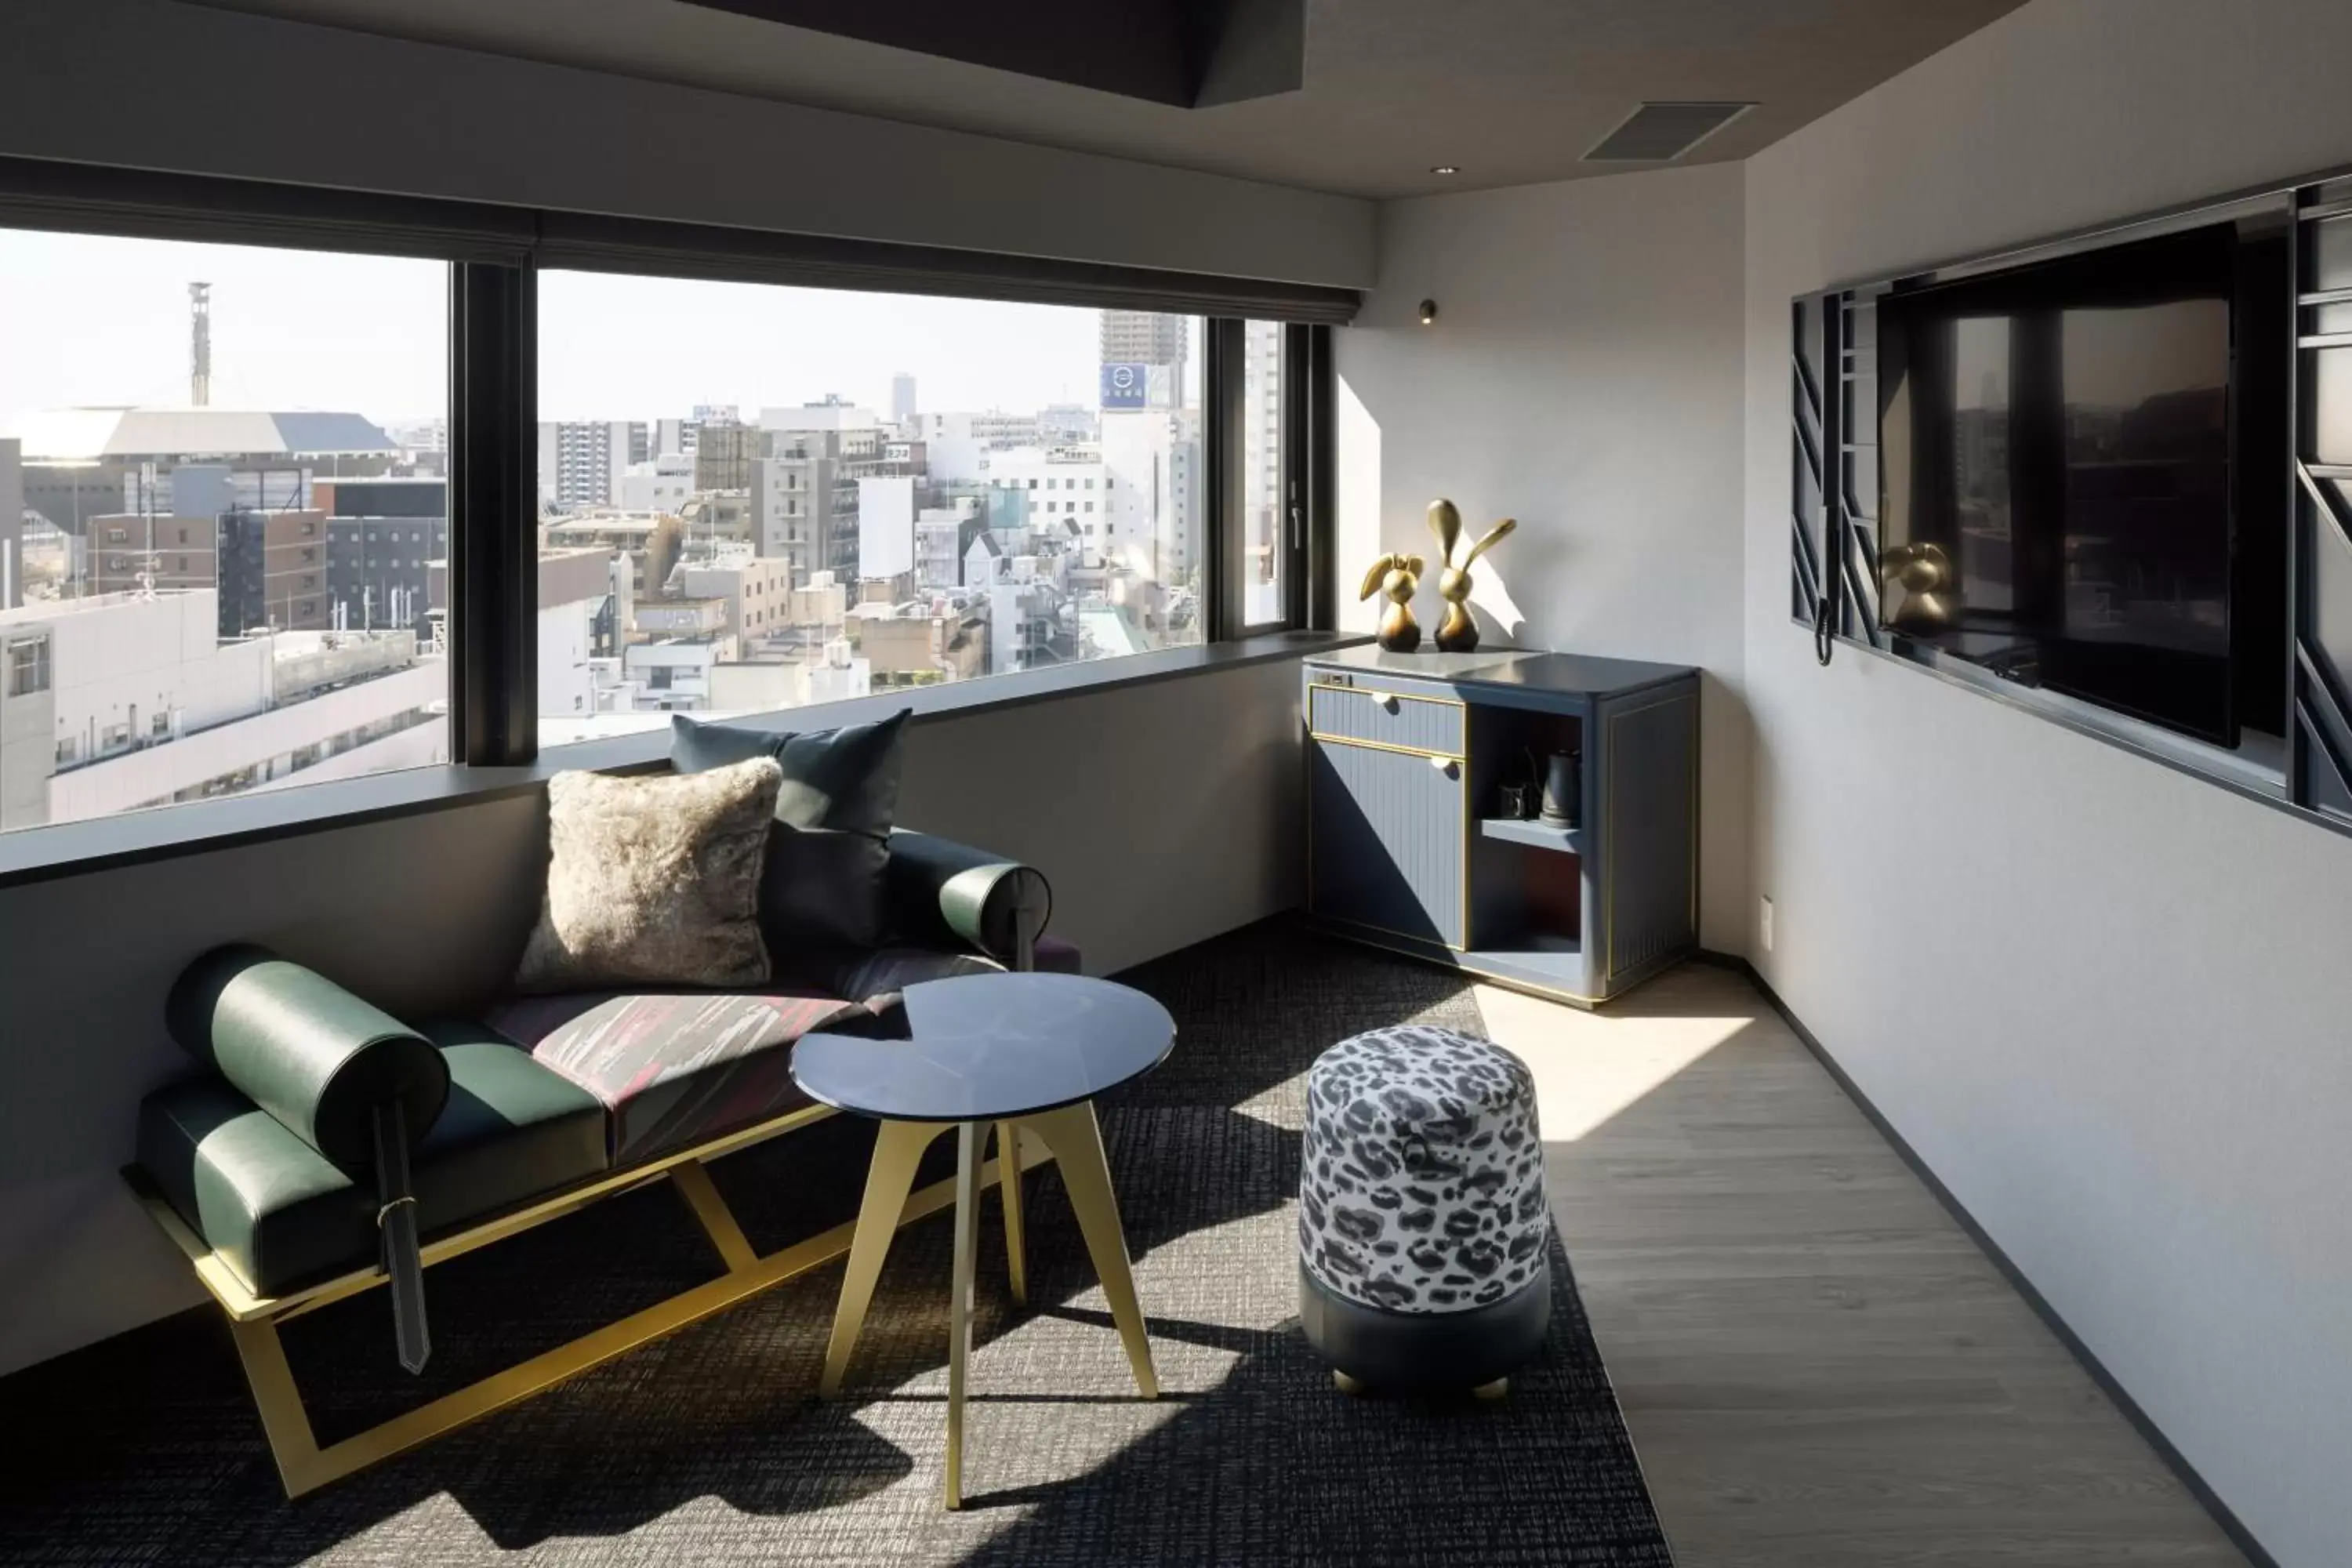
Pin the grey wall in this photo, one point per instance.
(153, 84)
(2106, 1003)
(1163, 814)
(1583, 375)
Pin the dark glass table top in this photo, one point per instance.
(981, 1047)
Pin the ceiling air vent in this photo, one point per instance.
(1657, 132)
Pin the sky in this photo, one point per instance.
(97, 320)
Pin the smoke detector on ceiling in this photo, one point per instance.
(1661, 132)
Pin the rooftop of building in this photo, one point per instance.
(87, 435)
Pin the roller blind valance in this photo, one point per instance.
(86, 199)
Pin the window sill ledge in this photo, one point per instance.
(76, 848)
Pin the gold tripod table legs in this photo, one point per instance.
(1075, 1139)
(969, 1137)
(899, 1149)
(1016, 1243)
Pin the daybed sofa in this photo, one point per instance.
(257, 1168)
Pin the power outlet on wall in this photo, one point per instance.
(1764, 924)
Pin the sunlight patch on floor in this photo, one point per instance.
(1588, 1067)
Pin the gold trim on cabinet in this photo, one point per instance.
(1384, 746)
(1385, 930)
(1383, 691)
(1461, 870)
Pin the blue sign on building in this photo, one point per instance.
(1126, 385)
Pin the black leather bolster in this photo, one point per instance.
(313, 1055)
(945, 894)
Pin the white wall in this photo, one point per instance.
(1112, 795)
(1582, 376)
(138, 83)
(2108, 1003)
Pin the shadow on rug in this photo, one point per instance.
(709, 1446)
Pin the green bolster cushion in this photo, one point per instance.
(313, 1055)
(944, 893)
(282, 1216)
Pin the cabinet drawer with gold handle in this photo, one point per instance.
(1400, 720)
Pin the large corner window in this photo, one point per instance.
(755, 497)
(221, 513)
(300, 485)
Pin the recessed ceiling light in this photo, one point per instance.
(1446, 169)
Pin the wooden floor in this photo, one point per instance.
(1820, 1368)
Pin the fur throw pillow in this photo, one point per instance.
(654, 880)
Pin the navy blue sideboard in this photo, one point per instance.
(1409, 847)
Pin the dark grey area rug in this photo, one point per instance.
(709, 1446)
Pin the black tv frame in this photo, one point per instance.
(1834, 575)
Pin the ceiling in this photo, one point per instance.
(1510, 91)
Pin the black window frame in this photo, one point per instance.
(494, 254)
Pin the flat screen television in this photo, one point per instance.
(2082, 476)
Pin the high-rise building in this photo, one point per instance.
(804, 498)
(957, 446)
(581, 462)
(1146, 337)
(84, 463)
(268, 569)
(724, 452)
(902, 398)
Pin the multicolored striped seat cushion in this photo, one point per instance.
(674, 1067)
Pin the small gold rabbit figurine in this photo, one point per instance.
(1397, 575)
(1458, 633)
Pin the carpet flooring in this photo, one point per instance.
(709, 1446)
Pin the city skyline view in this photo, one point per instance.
(226, 529)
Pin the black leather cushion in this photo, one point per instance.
(829, 852)
(282, 1216)
(950, 895)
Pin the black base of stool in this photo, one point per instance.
(1406, 1352)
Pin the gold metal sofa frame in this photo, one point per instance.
(304, 1466)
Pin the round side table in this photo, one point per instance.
(1026, 1054)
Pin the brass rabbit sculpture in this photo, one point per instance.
(1458, 633)
(1397, 575)
(1923, 572)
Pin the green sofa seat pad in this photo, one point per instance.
(281, 1216)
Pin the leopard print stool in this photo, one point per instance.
(1425, 1243)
